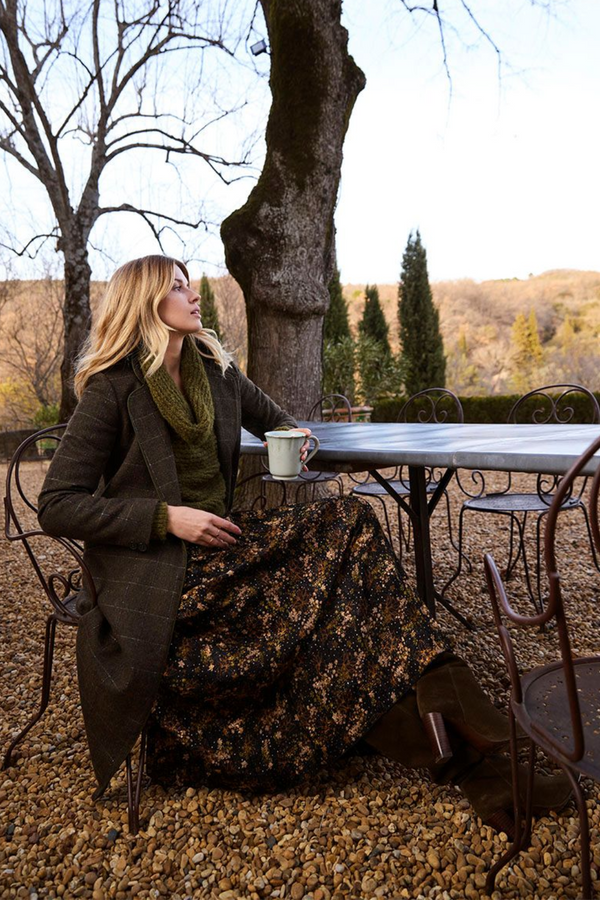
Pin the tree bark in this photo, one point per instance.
(280, 244)
(76, 316)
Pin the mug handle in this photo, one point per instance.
(310, 455)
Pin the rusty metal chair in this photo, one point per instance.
(431, 406)
(551, 403)
(61, 571)
(329, 408)
(556, 704)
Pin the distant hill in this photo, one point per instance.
(480, 316)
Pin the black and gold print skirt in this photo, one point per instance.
(287, 649)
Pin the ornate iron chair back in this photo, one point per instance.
(61, 571)
(554, 403)
(331, 408)
(433, 405)
(547, 701)
(59, 579)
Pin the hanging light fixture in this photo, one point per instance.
(258, 48)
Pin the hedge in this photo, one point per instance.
(492, 409)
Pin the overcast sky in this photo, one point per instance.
(499, 170)
(502, 178)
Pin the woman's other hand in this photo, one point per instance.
(201, 527)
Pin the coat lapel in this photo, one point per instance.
(155, 444)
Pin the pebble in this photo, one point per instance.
(367, 828)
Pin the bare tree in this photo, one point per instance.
(103, 76)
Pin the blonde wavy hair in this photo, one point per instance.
(128, 318)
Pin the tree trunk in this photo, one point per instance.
(279, 245)
(76, 316)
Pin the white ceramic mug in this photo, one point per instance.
(284, 453)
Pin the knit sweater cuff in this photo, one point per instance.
(159, 522)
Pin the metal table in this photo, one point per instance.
(369, 446)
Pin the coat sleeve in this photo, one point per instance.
(71, 503)
(259, 412)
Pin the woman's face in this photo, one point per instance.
(180, 309)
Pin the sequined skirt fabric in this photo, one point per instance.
(287, 648)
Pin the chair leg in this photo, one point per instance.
(134, 792)
(448, 514)
(584, 834)
(512, 559)
(538, 571)
(461, 554)
(521, 834)
(591, 539)
(46, 681)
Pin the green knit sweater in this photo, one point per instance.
(190, 418)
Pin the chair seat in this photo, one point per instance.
(374, 489)
(546, 704)
(515, 503)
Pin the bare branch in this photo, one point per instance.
(148, 215)
(24, 249)
(443, 25)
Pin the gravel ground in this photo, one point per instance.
(367, 828)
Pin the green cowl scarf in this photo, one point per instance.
(191, 418)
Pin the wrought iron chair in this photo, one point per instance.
(329, 408)
(552, 403)
(556, 704)
(431, 406)
(61, 571)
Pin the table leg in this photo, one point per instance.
(422, 510)
(422, 538)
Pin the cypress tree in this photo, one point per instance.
(420, 336)
(336, 324)
(208, 307)
(373, 323)
(527, 354)
(338, 345)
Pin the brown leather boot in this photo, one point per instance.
(488, 788)
(400, 735)
(449, 694)
(485, 782)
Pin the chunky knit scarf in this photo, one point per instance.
(191, 419)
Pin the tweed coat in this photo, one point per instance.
(114, 465)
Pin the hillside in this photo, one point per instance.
(476, 319)
(479, 316)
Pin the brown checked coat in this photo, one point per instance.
(113, 466)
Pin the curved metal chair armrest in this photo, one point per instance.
(51, 582)
(500, 605)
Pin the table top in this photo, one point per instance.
(358, 446)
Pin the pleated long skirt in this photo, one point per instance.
(287, 649)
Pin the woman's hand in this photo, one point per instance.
(201, 527)
(305, 446)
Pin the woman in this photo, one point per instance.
(255, 646)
